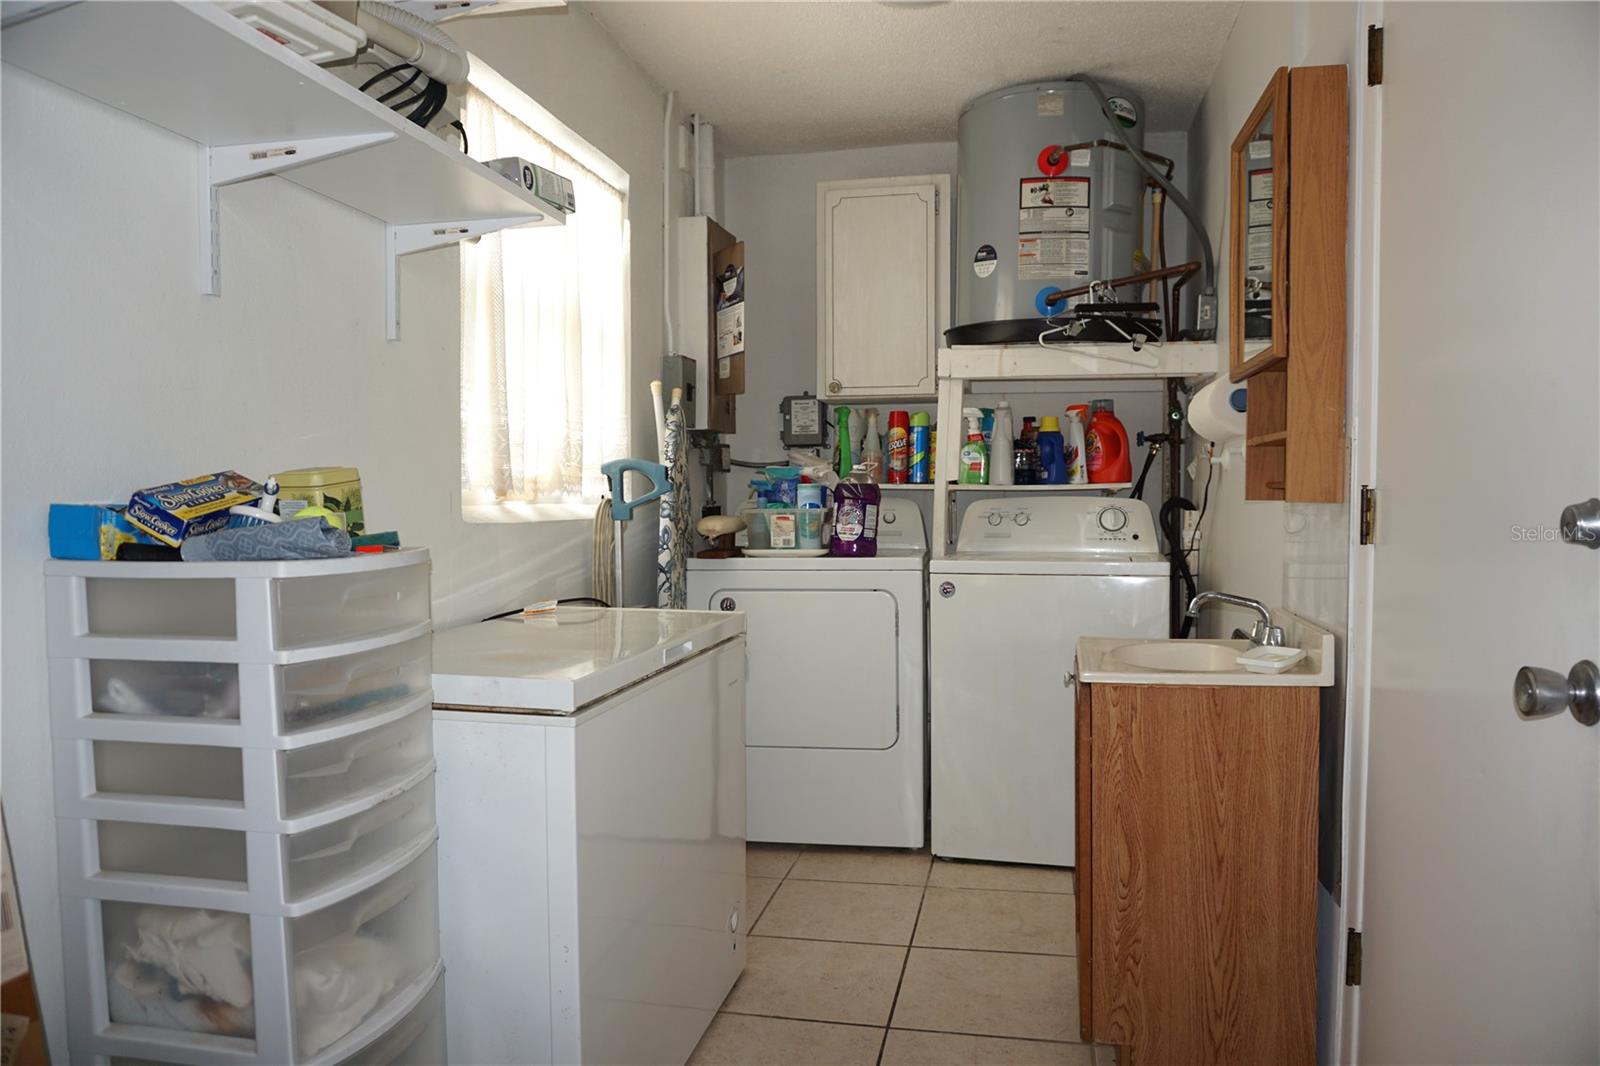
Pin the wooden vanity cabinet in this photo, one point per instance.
(1197, 873)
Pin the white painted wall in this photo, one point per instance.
(118, 374)
(1294, 554)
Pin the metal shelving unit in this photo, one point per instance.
(253, 107)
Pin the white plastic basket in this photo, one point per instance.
(200, 986)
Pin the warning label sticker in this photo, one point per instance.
(1258, 213)
(985, 260)
(1053, 220)
(1054, 256)
(1054, 192)
(1260, 148)
(1261, 184)
(1258, 251)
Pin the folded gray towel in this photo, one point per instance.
(303, 539)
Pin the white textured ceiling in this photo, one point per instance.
(777, 77)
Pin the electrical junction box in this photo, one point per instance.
(547, 185)
(805, 421)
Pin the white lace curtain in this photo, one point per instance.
(543, 364)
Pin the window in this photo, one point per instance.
(544, 389)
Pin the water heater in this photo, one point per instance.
(1046, 200)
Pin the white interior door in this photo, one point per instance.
(1478, 904)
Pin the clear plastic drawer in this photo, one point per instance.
(322, 610)
(265, 872)
(164, 689)
(418, 1039)
(238, 788)
(324, 691)
(352, 958)
(323, 775)
(161, 607)
(195, 972)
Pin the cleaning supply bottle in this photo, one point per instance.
(1109, 457)
(1030, 429)
(855, 516)
(1077, 446)
(974, 453)
(920, 468)
(1001, 462)
(933, 453)
(1052, 452)
(899, 448)
(843, 460)
(872, 448)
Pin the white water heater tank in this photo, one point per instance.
(1046, 200)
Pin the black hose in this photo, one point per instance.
(1172, 528)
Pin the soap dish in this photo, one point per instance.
(1266, 660)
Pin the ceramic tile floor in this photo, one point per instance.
(861, 956)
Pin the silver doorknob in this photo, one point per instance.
(1580, 523)
(1540, 693)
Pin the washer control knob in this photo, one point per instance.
(1112, 519)
(1021, 518)
(995, 518)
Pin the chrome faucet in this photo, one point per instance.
(1264, 631)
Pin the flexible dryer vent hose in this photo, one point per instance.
(415, 40)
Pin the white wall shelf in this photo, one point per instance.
(1030, 362)
(255, 108)
(1104, 486)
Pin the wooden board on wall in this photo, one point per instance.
(728, 262)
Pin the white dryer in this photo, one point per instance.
(835, 713)
(1028, 577)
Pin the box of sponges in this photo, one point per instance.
(189, 508)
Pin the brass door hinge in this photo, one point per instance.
(1369, 514)
(1374, 55)
(1352, 957)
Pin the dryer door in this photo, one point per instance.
(823, 668)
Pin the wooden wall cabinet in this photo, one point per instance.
(1287, 283)
(1197, 873)
(883, 286)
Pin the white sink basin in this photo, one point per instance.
(1180, 656)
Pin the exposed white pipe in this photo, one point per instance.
(694, 124)
(415, 40)
(705, 169)
(667, 220)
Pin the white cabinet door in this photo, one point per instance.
(883, 285)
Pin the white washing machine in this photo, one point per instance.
(1028, 577)
(835, 713)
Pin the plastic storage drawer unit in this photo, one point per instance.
(194, 984)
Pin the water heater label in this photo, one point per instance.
(1051, 105)
(985, 260)
(1056, 256)
(1054, 192)
(1124, 111)
(1259, 213)
(1053, 220)
(1261, 184)
(1258, 250)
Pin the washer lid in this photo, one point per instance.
(1087, 564)
(561, 661)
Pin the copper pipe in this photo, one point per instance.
(1182, 270)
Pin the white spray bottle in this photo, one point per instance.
(1001, 467)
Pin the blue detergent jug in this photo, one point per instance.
(1052, 453)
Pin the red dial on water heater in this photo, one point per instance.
(1053, 160)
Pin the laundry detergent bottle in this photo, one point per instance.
(1052, 452)
(855, 516)
(1076, 438)
(1109, 457)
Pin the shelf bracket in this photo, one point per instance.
(423, 236)
(221, 165)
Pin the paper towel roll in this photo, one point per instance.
(1216, 412)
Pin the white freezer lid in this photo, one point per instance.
(1085, 564)
(562, 661)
